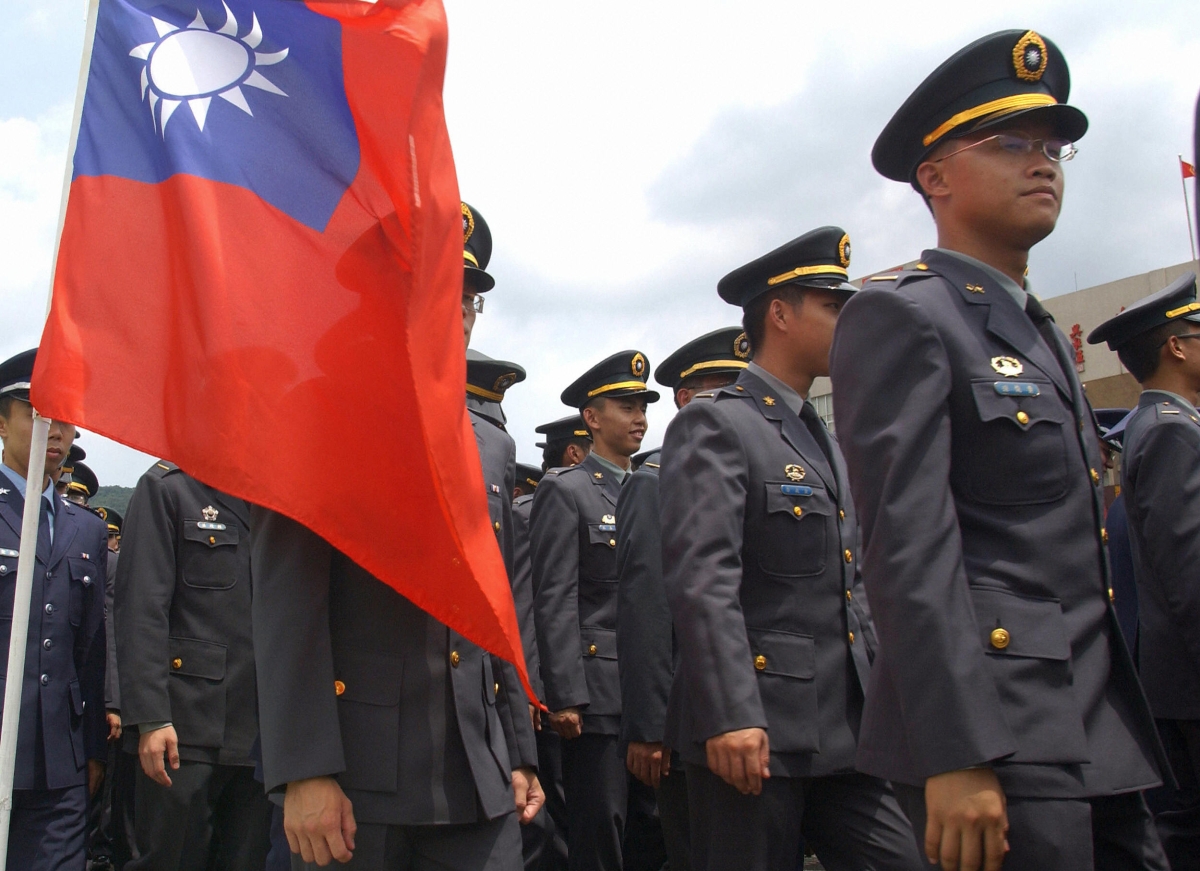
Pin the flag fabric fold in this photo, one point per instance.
(259, 277)
(1187, 169)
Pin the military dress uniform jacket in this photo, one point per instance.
(182, 616)
(759, 558)
(1160, 479)
(645, 636)
(976, 471)
(62, 700)
(523, 590)
(572, 544)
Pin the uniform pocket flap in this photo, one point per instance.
(1025, 403)
(603, 533)
(598, 643)
(797, 499)
(368, 678)
(1012, 625)
(77, 704)
(83, 570)
(210, 533)
(195, 658)
(783, 653)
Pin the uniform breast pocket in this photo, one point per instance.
(1029, 655)
(198, 690)
(786, 665)
(369, 687)
(795, 530)
(600, 669)
(599, 561)
(1016, 453)
(84, 576)
(208, 556)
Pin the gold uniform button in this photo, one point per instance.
(455, 659)
(496, 691)
(851, 637)
(212, 539)
(797, 510)
(593, 650)
(1000, 638)
(496, 526)
(841, 514)
(1095, 476)
(760, 662)
(849, 556)
(612, 542)
(338, 687)
(1104, 535)
(177, 663)
(849, 595)
(1112, 597)
(1022, 418)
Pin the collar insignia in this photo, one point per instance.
(768, 400)
(3, 491)
(975, 288)
(794, 472)
(210, 513)
(1009, 367)
(597, 475)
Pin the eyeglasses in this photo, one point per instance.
(472, 302)
(1183, 336)
(1058, 150)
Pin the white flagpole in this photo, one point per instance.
(27, 554)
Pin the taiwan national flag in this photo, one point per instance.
(260, 274)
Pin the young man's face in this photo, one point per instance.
(810, 333)
(619, 421)
(16, 431)
(998, 192)
(114, 541)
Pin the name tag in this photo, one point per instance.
(795, 490)
(607, 527)
(6, 552)
(206, 525)
(1017, 388)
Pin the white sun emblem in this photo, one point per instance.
(194, 64)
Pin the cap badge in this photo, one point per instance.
(741, 346)
(638, 365)
(504, 382)
(468, 220)
(844, 251)
(1009, 367)
(794, 472)
(210, 513)
(1029, 57)
(102, 513)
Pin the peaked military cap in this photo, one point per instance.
(992, 81)
(477, 249)
(74, 455)
(725, 350)
(489, 378)
(16, 373)
(111, 517)
(819, 258)
(1177, 301)
(562, 430)
(83, 480)
(527, 475)
(622, 374)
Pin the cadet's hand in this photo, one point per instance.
(151, 748)
(967, 820)
(114, 725)
(647, 761)
(318, 820)
(95, 775)
(535, 718)
(568, 723)
(741, 758)
(527, 790)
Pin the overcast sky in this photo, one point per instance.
(627, 155)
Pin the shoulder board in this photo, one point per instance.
(563, 470)
(897, 277)
(162, 468)
(521, 500)
(1166, 408)
(648, 465)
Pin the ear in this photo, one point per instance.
(1174, 348)
(682, 396)
(932, 179)
(591, 416)
(778, 313)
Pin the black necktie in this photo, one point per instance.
(816, 429)
(1044, 321)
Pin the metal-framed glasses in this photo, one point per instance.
(472, 302)
(1058, 150)
(1181, 336)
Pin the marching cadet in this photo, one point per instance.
(60, 742)
(1004, 705)
(645, 636)
(573, 548)
(185, 665)
(404, 759)
(527, 480)
(1160, 480)
(83, 485)
(487, 381)
(761, 568)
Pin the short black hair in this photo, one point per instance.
(6, 402)
(1142, 354)
(552, 454)
(754, 317)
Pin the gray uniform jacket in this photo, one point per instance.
(112, 687)
(572, 544)
(1160, 478)
(759, 557)
(498, 456)
(182, 616)
(975, 465)
(523, 590)
(645, 637)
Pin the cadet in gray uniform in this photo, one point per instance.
(573, 549)
(645, 636)
(185, 662)
(761, 568)
(404, 760)
(1003, 698)
(1160, 480)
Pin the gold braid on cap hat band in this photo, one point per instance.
(486, 394)
(620, 385)
(1005, 104)
(467, 255)
(714, 364)
(1184, 309)
(806, 270)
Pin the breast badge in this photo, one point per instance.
(794, 472)
(1009, 367)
